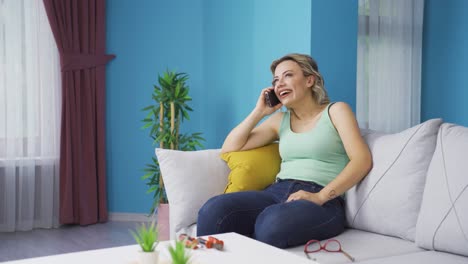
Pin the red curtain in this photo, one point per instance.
(79, 31)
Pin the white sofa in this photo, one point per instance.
(411, 208)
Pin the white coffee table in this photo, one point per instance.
(237, 249)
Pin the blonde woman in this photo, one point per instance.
(323, 155)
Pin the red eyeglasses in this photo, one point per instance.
(331, 245)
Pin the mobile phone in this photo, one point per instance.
(271, 99)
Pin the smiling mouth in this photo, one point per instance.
(285, 93)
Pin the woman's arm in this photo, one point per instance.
(247, 135)
(360, 159)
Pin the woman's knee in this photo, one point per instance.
(210, 206)
(208, 216)
(215, 216)
(212, 209)
(271, 228)
(233, 212)
(295, 223)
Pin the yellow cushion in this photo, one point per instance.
(252, 169)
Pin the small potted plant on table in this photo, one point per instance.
(147, 237)
(179, 253)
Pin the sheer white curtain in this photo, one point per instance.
(30, 98)
(389, 64)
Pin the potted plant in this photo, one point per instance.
(147, 237)
(163, 119)
(179, 254)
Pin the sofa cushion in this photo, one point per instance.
(252, 169)
(362, 245)
(443, 220)
(190, 178)
(388, 199)
(426, 257)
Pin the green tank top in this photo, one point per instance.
(317, 155)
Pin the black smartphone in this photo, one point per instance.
(271, 99)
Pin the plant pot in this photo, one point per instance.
(148, 257)
(163, 221)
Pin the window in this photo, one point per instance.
(389, 64)
(30, 98)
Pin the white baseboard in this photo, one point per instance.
(131, 217)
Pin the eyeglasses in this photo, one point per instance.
(331, 245)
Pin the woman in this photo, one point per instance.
(323, 155)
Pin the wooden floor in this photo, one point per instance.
(44, 242)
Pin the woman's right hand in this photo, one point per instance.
(263, 107)
(247, 135)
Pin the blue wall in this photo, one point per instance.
(445, 61)
(147, 38)
(334, 46)
(225, 46)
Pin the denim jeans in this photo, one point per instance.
(265, 215)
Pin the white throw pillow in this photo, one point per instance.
(388, 199)
(443, 220)
(190, 178)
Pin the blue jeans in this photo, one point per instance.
(265, 215)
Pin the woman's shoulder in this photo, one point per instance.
(278, 116)
(339, 107)
(340, 111)
(276, 120)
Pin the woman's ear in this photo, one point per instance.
(310, 80)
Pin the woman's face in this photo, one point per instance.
(290, 83)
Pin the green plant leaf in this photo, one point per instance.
(146, 125)
(179, 254)
(148, 119)
(146, 236)
(146, 176)
(188, 108)
(153, 188)
(177, 89)
(147, 108)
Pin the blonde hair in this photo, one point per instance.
(309, 67)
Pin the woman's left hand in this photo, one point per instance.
(303, 195)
